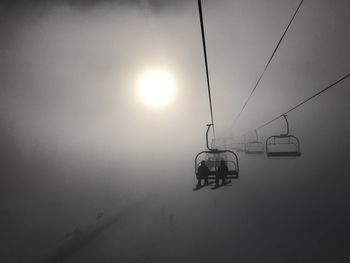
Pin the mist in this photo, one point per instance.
(79, 149)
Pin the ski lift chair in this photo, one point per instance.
(213, 163)
(213, 157)
(283, 145)
(255, 146)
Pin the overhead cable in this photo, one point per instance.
(303, 102)
(268, 63)
(206, 63)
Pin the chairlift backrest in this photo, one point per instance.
(283, 146)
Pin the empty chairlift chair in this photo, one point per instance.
(239, 145)
(213, 157)
(254, 146)
(283, 145)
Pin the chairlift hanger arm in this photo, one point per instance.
(256, 135)
(207, 137)
(285, 118)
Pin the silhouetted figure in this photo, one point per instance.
(222, 173)
(203, 173)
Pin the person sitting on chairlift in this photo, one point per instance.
(203, 173)
(222, 173)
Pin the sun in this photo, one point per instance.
(156, 88)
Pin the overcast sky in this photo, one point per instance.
(78, 49)
(69, 72)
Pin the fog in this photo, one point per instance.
(77, 143)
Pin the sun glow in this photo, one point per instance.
(156, 88)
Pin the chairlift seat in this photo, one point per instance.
(229, 175)
(279, 142)
(283, 154)
(228, 156)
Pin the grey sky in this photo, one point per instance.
(235, 55)
(69, 111)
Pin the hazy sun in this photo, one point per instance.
(156, 88)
